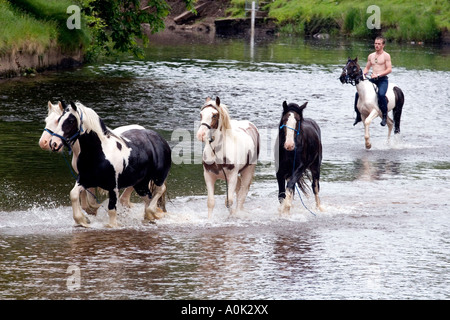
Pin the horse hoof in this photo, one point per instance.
(83, 225)
(111, 225)
(368, 146)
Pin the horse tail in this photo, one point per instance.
(397, 111)
(302, 182)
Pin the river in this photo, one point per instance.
(384, 233)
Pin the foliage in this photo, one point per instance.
(20, 31)
(117, 24)
(400, 19)
(107, 26)
(55, 11)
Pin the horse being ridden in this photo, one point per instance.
(135, 158)
(368, 99)
(232, 150)
(88, 202)
(299, 149)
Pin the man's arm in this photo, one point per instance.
(368, 65)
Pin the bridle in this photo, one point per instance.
(296, 130)
(68, 142)
(211, 138)
(350, 78)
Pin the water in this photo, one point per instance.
(385, 231)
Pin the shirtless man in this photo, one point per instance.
(380, 62)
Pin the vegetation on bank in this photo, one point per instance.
(401, 20)
(107, 27)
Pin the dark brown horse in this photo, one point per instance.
(299, 149)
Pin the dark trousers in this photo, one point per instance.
(382, 84)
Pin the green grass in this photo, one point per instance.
(33, 26)
(400, 19)
(20, 31)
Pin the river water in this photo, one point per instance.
(384, 233)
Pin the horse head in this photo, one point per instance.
(51, 122)
(352, 72)
(68, 129)
(213, 116)
(290, 123)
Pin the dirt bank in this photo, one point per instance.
(182, 26)
(19, 63)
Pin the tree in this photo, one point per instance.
(118, 23)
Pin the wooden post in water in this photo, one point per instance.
(252, 29)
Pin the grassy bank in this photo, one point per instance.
(401, 20)
(33, 26)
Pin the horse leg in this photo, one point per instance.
(151, 211)
(246, 180)
(373, 114)
(76, 208)
(92, 205)
(232, 179)
(286, 205)
(315, 186)
(210, 180)
(390, 125)
(281, 186)
(112, 210)
(290, 189)
(397, 111)
(125, 197)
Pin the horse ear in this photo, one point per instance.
(50, 105)
(73, 105)
(61, 106)
(304, 105)
(356, 59)
(284, 106)
(208, 99)
(217, 102)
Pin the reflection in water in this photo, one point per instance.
(376, 170)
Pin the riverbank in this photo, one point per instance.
(35, 37)
(402, 20)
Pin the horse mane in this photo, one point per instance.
(93, 122)
(225, 123)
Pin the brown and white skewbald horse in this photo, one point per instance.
(231, 153)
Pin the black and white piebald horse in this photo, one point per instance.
(299, 149)
(88, 202)
(136, 157)
(368, 99)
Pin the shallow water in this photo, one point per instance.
(383, 234)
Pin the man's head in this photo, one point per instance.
(379, 43)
